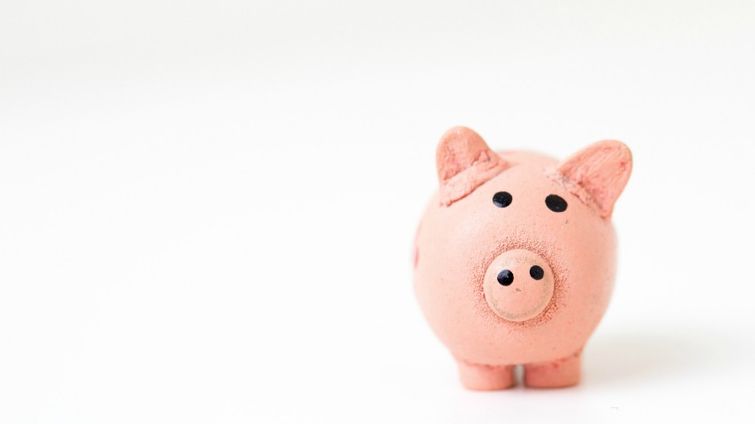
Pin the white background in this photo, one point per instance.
(207, 208)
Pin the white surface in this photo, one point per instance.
(207, 209)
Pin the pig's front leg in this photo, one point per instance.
(562, 372)
(485, 377)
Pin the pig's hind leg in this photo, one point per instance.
(562, 372)
(486, 377)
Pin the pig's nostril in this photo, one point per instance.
(536, 272)
(505, 277)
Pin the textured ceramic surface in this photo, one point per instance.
(515, 257)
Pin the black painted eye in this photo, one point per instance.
(505, 277)
(536, 272)
(555, 203)
(502, 199)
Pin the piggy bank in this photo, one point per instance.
(514, 257)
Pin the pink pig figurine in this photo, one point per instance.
(514, 258)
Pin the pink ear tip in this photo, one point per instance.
(460, 130)
(459, 136)
(620, 151)
(617, 146)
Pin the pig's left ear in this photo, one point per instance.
(464, 163)
(598, 174)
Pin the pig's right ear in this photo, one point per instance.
(597, 174)
(464, 163)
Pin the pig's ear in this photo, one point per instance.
(464, 163)
(598, 174)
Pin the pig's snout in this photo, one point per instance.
(518, 285)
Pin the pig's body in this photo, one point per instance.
(520, 283)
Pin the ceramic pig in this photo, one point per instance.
(515, 257)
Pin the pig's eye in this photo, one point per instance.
(555, 203)
(502, 199)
